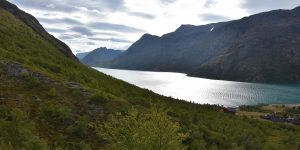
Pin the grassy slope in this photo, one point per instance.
(53, 116)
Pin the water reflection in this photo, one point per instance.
(200, 90)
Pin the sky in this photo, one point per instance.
(88, 24)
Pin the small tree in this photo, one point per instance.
(134, 131)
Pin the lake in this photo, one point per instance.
(206, 91)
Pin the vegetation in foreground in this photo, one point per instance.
(48, 101)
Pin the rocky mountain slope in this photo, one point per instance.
(100, 56)
(33, 23)
(258, 48)
(267, 51)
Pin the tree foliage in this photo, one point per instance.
(134, 131)
(17, 132)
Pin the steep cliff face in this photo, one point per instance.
(33, 23)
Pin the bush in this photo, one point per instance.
(52, 92)
(4, 146)
(25, 75)
(84, 146)
(142, 131)
(36, 144)
(17, 132)
(57, 115)
(99, 99)
(77, 130)
(4, 112)
(33, 82)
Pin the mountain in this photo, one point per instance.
(180, 51)
(100, 56)
(259, 48)
(33, 23)
(267, 51)
(48, 100)
(81, 55)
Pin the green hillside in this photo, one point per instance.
(50, 101)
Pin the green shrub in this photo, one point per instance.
(4, 146)
(153, 130)
(17, 131)
(34, 82)
(77, 130)
(4, 112)
(99, 99)
(25, 74)
(84, 146)
(57, 115)
(52, 92)
(36, 144)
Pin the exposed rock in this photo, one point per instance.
(35, 98)
(19, 71)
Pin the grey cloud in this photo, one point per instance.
(70, 5)
(255, 6)
(114, 27)
(91, 43)
(106, 33)
(68, 36)
(82, 30)
(213, 17)
(68, 21)
(112, 39)
(65, 37)
(142, 15)
(49, 5)
(55, 30)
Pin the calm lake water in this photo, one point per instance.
(199, 90)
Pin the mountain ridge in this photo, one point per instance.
(81, 55)
(190, 46)
(100, 56)
(37, 27)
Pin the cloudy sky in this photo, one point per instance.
(88, 24)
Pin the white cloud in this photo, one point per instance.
(117, 22)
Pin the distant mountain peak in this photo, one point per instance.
(102, 48)
(148, 36)
(100, 56)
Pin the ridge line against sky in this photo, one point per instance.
(88, 24)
